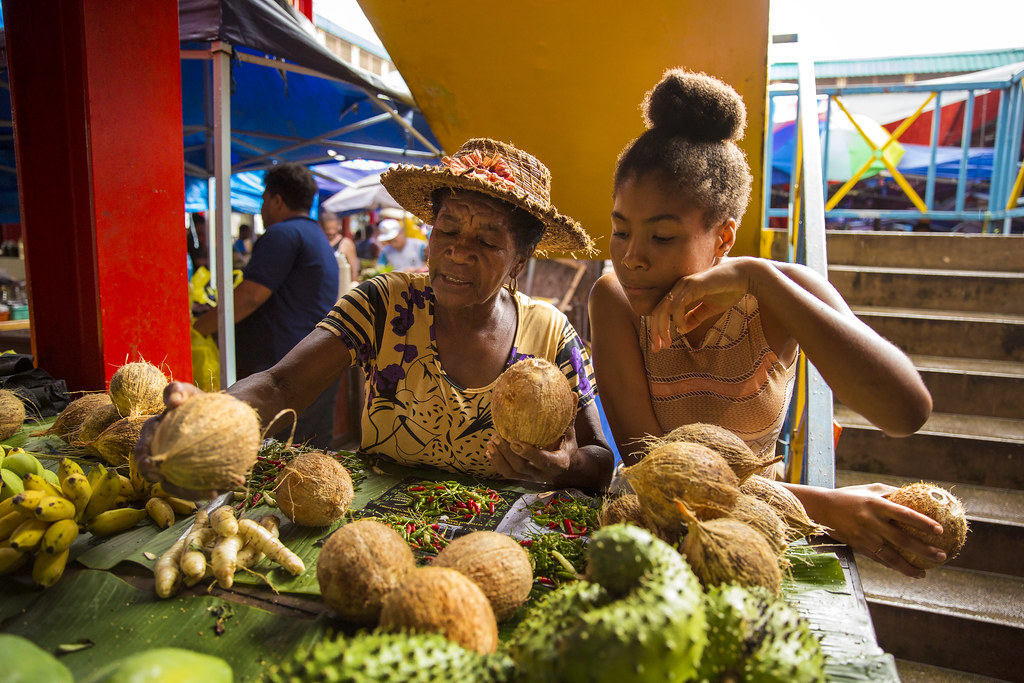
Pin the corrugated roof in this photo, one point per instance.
(953, 62)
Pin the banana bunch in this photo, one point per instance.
(44, 518)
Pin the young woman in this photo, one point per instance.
(684, 333)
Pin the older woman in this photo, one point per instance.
(433, 344)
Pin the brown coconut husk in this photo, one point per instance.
(624, 509)
(788, 506)
(441, 600)
(725, 550)
(942, 506)
(70, 420)
(314, 489)
(693, 473)
(12, 414)
(207, 443)
(116, 443)
(494, 562)
(95, 423)
(763, 518)
(138, 389)
(533, 403)
(743, 461)
(359, 565)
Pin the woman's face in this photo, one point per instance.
(658, 238)
(472, 252)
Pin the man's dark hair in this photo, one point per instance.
(293, 183)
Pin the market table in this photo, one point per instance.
(104, 607)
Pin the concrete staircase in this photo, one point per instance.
(955, 304)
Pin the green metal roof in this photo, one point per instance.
(959, 62)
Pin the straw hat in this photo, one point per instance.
(496, 169)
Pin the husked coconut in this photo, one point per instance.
(12, 414)
(359, 565)
(138, 389)
(74, 415)
(533, 403)
(117, 441)
(624, 509)
(441, 600)
(788, 506)
(725, 550)
(743, 461)
(693, 473)
(96, 422)
(209, 442)
(762, 518)
(314, 489)
(496, 563)
(942, 506)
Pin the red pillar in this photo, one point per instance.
(96, 93)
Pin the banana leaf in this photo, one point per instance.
(111, 619)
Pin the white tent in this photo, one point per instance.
(366, 194)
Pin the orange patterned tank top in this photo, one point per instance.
(732, 379)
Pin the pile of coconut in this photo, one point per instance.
(368, 575)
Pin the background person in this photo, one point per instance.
(288, 286)
(398, 250)
(683, 333)
(344, 249)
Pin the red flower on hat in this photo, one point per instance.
(490, 168)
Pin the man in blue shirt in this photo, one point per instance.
(288, 286)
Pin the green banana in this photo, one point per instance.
(22, 463)
(59, 536)
(10, 484)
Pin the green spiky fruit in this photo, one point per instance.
(399, 658)
(639, 617)
(755, 636)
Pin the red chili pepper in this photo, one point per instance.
(417, 488)
(526, 544)
(568, 524)
(581, 531)
(490, 507)
(257, 498)
(545, 580)
(439, 487)
(409, 528)
(552, 525)
(469, 516)
(435, 527)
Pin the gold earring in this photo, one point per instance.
(513, 285)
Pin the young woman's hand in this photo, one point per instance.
(523, 462)
(862, 517)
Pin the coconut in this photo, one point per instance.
(624, 509)
(75, 414)
(314, 489)
(359, 565)
(12, 414)
(788, 506)
(209, 442)
(762, 518)
(496, 563)
(736, 452)
(116, 443)
(695, 474)
(725, 550)
(138, 389)
(942, 506)
(441, 600)
(532, 403)
(94, 424)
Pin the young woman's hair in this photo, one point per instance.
(693, 122)
(527, 230)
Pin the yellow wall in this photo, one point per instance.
(563, 79)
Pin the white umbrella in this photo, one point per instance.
(367, 194)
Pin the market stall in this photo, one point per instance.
(104, 607)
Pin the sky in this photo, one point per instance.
(830, 29)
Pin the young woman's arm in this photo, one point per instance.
(619, 365)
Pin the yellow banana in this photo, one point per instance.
(60, 536)
(127, 490)
(76, 489)
(11, 559)
(139, 482)
(54, 509)
(180, 505)
(96, 473)
(29, 534)
(48, 568)
(11, 521)
(160, 511)
(6, 506)
(114, 521)
(67, 467)
(104, 494)
(34, 482)
(26, 501)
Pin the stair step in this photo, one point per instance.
(993, 336)
(950, 424)
(974, 387)
(954, 618)
(960, 290)
(916, 672)
(924, 250)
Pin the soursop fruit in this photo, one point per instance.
(756, 636)
(394, 657)
(638, 617)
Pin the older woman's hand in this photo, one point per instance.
(175, 394)
(520, 461)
